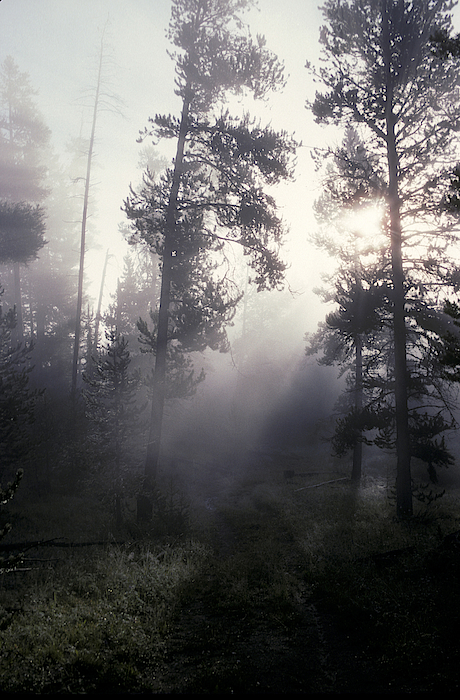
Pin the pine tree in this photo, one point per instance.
(49, 286)
(114, 411)
(214, 193)
(381, 75)
(17, 400)
(23, 140)
(352, 335)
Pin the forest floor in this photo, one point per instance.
(258, 620)
(287, 589)
(267, 636)
(240, 629)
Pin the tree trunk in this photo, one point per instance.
(403, 454)
(158, 399)
(358, 448)
(403, 470)
(18, 332)
(76, 347)
(99, 303)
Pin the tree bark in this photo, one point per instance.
(403, 453)
(76, 347)
(159, 389)
(358, 448)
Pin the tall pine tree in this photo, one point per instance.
(380, 74)
(214, 192)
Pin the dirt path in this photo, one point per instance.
(230, 640)
(236, 651)
(249, 623)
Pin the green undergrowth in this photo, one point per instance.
(279, 572)
(96, 621)
(390, 586)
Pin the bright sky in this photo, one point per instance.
(56, 43)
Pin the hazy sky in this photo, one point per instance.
(56, 43)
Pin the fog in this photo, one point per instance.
(273, 398)
(198, 477)
(56, 42)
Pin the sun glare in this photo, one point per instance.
(366, 226)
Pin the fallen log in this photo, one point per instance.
(331, 481)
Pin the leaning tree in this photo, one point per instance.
(215, 192)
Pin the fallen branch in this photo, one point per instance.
(331, 481)
(23, 546)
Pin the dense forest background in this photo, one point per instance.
(95, 380)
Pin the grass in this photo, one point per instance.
(403, 609)
(301, 597)
(97, 621)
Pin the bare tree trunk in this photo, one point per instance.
(358, 448)
(76, 347)
(99, 303)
